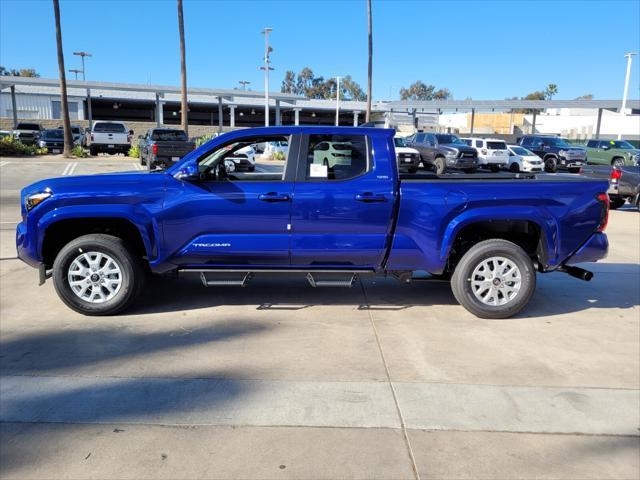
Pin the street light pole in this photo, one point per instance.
(76, 71)
(337, 101)
(629, 57)
(266, 68)
(244, 84)
(83, 54)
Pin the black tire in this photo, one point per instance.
(551, 164)
(461, 279)
(494, 168)
(617, 162)
(470, 170)
(133, 275)
(616, 202)
(514, 167)
(439, 165)
(251, 168)
(93, 151)
(413, 170)
(575, 170)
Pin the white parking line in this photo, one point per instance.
(137, 166)
(68, 170)
(2, 164)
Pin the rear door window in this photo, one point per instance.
(336, 157)
(478, 143)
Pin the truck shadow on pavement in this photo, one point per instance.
(615, 285)
(43, 382)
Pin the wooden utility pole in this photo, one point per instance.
(183, 74)
(66, 124)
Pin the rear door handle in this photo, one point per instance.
(274, 197)
(368, 197)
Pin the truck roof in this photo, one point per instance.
(319, 130)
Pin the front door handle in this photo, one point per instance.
(274, 197)
(369, 197)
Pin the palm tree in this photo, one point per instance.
(370, 67)
(68, 138)
(183, 73)
(551, 90)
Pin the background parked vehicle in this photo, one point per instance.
(163, 146)
(616, 153)
(109, 137)
(243, 159)
(523, 160)
(492, 152)
(52, 140)
(5, 133)
(28, 133)
(443, 151)
(624, 183)
(556, 152)
(408, 158)
(331, 154)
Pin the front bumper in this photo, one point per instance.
(26, 250)
(594, 249)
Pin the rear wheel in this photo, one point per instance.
(550, 164)
(439, 166)
(494, 279)
(93, 151)
(97, 274)
(494, 168)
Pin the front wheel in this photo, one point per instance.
(97, 274)
(439, 166)
(617, 162)
(551, 165)
(494, 279)
(514, 167)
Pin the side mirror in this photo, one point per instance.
(188, 173)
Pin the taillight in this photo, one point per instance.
(616, 174)
(603, 198)
(154, 149)
(92, 137)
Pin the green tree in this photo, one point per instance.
(588, 96)
(289, 83)
(420, 91)
(550, 91)
(23, 72)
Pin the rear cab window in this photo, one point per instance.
(169, 135)
(336, 157)
(497, 145)
(109, 127)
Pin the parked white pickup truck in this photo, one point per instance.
(109, 137)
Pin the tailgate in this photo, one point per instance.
(173, 149)
(110, 138)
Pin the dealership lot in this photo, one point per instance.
(278, 380)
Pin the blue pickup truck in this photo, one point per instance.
(335, 209)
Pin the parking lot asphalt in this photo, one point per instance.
(279, 380)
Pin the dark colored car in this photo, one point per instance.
(624, 183)
(52, 140)
(444, 151)
(28, 133)
(556, 152)
(163, 146)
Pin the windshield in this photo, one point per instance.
(449, 139)
(106, 127)
(169, 135)
(521, 151)
(556, 141)
(621, 144)
(28, 126)
(399, 142)
(53, 134)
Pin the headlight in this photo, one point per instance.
(42, 144)
(34, 199)
(562, 153)
(453, 154)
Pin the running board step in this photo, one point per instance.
(328, 282)
(225, 282)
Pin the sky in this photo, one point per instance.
(476, 49)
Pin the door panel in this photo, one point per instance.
(340, 223)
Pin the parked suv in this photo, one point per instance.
(408, 158)
(109, 137)
(492, 152)
(556, 152)
(616, 153)
(442, 151)
(28, 133)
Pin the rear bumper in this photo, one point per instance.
(594, 249)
